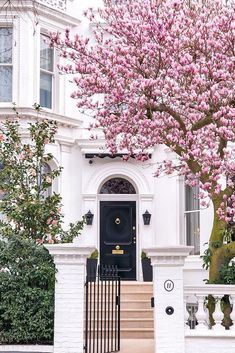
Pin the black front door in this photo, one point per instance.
(118, 236)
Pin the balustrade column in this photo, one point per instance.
(201, 314)
(186, 314)
(218, 314)
(232, 314)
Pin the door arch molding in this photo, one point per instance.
(118, 169)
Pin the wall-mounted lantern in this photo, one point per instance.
(146, 218)
(89, 218)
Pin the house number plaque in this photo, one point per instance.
(169, 285)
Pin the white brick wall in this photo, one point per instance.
(70, 260)
(168, 262)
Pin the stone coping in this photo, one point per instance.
(210, 333)
(29, 348)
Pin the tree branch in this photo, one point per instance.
(201, 123)
(162, 108)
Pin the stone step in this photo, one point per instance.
(136, 323)
(137, 313)
(135, 304)
(134, 287)
(137, 333)
(127, 313)
(137, 296)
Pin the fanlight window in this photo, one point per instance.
(117, 186)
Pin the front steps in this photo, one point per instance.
(136, 311)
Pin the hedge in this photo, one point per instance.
(27, 277)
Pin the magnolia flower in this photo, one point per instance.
(32, 172)
(22, 156)
(49, 220)
(54, 222)
(48, 179)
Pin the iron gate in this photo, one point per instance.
(102, 319)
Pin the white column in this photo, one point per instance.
(168, 262)
(70, 262)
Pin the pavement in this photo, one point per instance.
(137, 346)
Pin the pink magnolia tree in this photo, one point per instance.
(163, 72)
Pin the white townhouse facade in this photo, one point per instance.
(116, 192)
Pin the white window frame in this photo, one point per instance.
(52, 73)
(188, 212)
(9, 25)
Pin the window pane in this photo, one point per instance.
(45, 169)
(5, 45)
(193, 230)
(117, 186)
(45, 90)
(46, 54)
(5, 84)
(191, 198)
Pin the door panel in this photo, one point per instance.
(118, 236)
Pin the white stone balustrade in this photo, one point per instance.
(55, 4)
(201, 294)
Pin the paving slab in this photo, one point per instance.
(137, 346)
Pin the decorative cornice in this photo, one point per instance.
(91, 146)
(167, 255)
(30, 113)
(69, 254)
(57, 4)
(65, 141)
(39, 9)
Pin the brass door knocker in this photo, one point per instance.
(117, 221)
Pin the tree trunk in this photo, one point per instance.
(218, 253)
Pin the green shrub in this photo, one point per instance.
(27, 277)
(227, 274)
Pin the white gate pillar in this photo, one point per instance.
(70, 262)
(168, 262)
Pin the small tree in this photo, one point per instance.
(30, 217)
(165, 70)
(26, 208)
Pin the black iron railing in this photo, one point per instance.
(102, 320)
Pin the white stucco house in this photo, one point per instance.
(119, 194)
(92, 179)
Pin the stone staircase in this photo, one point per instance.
(136, 311)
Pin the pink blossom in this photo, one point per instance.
(49, 220)
(32, 172)
(48, 179)
(161, 73)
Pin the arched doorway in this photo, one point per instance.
(118, 227)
